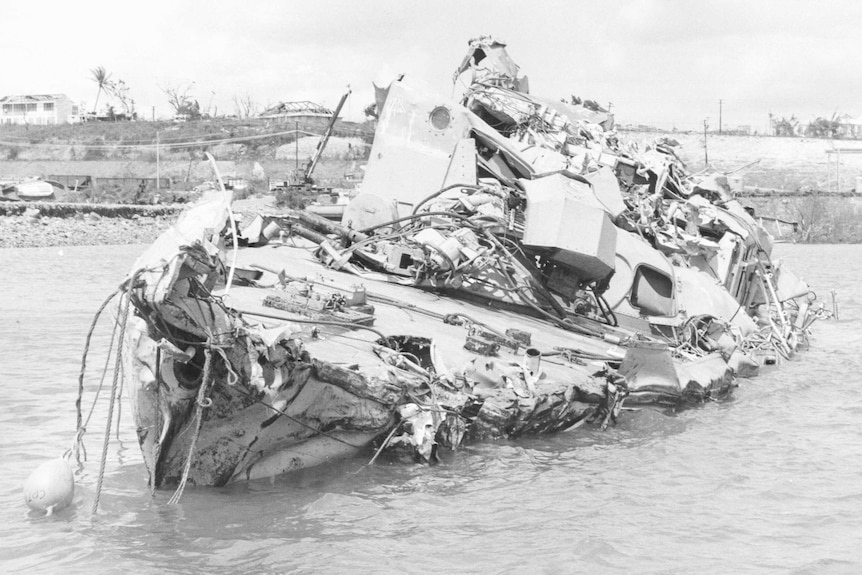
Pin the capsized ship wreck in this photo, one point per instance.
(510, 267)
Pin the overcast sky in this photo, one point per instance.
(660, 62)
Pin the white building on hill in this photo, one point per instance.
(38, 109)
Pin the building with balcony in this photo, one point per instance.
(38, 109)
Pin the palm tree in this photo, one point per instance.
(103, 79)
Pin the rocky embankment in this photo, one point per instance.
(29, 225)
(47, 224)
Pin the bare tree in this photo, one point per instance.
(179, 96)
(103, 79)
(812, 216)
(244, 105)
(120, 91)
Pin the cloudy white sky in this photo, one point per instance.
(661, 62)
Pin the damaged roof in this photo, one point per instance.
(303, 108)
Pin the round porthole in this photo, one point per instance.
(440, 118)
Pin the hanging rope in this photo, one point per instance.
(81, 429)
(120, 402)
(202, 402)
(78, 447)
(123, 314)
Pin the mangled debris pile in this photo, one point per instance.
(295, 364)
(537, 203)
(693, 220)
(510, 266)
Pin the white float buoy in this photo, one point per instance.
(50, 487)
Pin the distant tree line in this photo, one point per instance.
(179, 96)
(836, 127)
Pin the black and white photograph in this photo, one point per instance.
(494, 287)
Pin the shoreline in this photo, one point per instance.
(36, 231)
(54, 224)
(58, 224)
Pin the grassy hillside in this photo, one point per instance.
(253, 150)
(790, 164)
(772, 162)
(146, 133)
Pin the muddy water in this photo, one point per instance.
(766, 482)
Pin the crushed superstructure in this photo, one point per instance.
(510, 266)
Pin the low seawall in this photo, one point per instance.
(71, 210)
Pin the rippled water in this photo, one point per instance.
(769, 481)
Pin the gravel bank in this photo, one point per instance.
(34, 227)
(32, 230)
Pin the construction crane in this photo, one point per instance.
(301, 185)
(307, 180)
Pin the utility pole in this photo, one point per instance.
(720, 102)
(158, 165)
(705, 149)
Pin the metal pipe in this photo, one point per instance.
(311, 235)
(321, 224)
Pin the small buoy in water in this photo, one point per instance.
(50, 487)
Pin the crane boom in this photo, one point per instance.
(323, 140)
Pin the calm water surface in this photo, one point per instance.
(767, 482)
